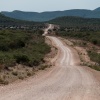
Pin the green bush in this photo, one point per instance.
(94, 41)
(94, 56)
(21, 58)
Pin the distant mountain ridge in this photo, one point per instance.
(7, 21)
(46, 16)
(97, 9)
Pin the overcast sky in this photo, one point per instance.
(47, 5)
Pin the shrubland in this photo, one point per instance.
(22, 47)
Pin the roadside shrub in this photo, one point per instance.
(21, 58)
(3, 47)
(94, 56)
(94, 41)
(3, 81)
(17, 44)
(21, 77)
(15, 73)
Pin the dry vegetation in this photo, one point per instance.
(22, 52)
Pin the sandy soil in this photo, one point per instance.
(65, 81)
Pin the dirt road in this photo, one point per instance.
(50, 26)
(66, 81)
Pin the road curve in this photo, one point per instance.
(50, 26)
(66, 81)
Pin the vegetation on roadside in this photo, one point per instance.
(94, 56)
(89, 36)
(21, 52)
(22, 47)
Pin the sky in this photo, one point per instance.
(47, 5)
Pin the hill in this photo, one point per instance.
(7, 21)
(76, 22)
(45, 16)
(97, 9)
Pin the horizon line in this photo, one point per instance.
(48, 10)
